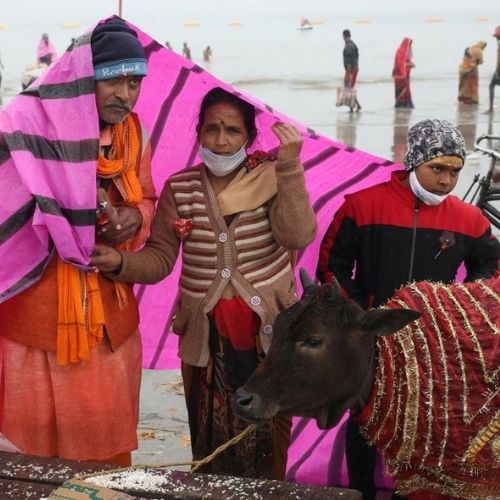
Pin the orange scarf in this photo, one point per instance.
(81, 320)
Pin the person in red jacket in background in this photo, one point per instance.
(407, 229)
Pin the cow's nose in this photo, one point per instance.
(243, 398)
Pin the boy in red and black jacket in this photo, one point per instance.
(407, 229)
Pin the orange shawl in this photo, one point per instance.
(80, 312)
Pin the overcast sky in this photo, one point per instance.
(67, 10)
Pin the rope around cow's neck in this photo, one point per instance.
(195, 464)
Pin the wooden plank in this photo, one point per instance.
(25, 476)
(45, 470)
(21, 490)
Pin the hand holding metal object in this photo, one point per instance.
(101, 208)
(105, 211)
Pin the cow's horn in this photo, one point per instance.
(335, 287)
(305, 279)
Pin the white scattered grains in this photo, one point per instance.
(133, 479)
(163, 481)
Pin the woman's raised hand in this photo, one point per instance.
(290, 141)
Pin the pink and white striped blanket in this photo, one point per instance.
(48, 149)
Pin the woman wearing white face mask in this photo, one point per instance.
(237, 220)
(407, 229)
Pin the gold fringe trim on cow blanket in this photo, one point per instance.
(434, 412)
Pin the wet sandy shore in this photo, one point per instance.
(163, 425)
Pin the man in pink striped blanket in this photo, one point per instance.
(70, 352)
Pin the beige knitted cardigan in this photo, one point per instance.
(251, 252)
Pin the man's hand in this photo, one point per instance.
(290, 141)
(106, 258)
(125, 222)
(116, 224)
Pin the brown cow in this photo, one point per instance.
(428, 397)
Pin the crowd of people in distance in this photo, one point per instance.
(468, 74)
(468, 82)
(186, 51)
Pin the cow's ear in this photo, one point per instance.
(387, 321)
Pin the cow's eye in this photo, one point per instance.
(313, 341)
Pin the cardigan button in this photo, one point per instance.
(226, 273)
(255, 301)
(223, 237)
(267, 329)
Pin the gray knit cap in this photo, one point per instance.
(429, 139)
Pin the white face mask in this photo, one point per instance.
(221, 165)
(424, 195)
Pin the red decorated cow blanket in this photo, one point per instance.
(435, 408)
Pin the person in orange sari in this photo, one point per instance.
(401, 73)
(468, 81)
(70, 350)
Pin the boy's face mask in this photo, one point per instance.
(423, 195)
